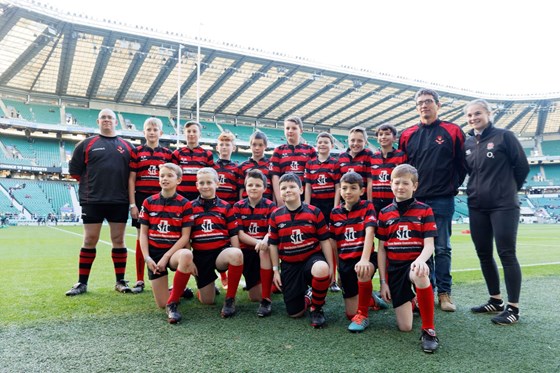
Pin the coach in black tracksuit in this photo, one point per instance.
(497, 166)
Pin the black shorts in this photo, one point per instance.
(114, 213)
(251, 268)
(296, 278)
(349, 277)
(205, 261)
(402, 289)
(139, 200)
(325, 205)
(156, 255)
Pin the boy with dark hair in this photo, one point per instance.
(406, 230)
(290, 157)
(143, 182)
(165, 227)
(252, 215)
(228, 171)
(214, 241)
(191, 158)
(258, 161)
(352, 232)
(299, 237)
(357, 158)
(382, 163)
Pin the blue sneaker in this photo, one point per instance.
(380, 304)
(359, 323)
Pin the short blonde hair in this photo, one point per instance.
(154, 122)
(208, 171)
(359, 129)
(405, 169)
(173, 167)
(227, 136)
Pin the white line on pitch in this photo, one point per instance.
(81, 235)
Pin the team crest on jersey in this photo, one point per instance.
(351, 169)
(296, 237)
(120, 149)
(163, 226)
(294, 166)
(321, 180)
(253, 228)
(152, 170)
(384, 176)
(222, 179)
(350, 234)
(403, 233)
(440, 140)
(206, 226)
(490, 146)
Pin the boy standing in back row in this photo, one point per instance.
(290, 157)
(143, 182)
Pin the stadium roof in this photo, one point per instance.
(74, 59)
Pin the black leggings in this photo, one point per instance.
(500, 225)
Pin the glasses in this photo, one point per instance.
(427, 102)
(106, 117)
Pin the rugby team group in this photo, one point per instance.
(304, 220)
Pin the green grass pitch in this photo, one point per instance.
(41, 330)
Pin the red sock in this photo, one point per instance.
(364, 296)
(266, 283)
(426, 305)
(139, 262)
(319, 287)
(234, 276)
(179, 283)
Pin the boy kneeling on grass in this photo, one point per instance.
(299, 237)
(406, 231)
(165, 227)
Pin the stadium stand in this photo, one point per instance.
(34, 112)
(29, 195)
(550, 147)
(82, 116)
(37, 151)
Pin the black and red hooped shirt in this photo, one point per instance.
(145, 162)
(253, 220)
(213, 223)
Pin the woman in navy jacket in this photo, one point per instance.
(497, 168)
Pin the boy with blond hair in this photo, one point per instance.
(406, 230)
(228, 171)
(143, 181)
(214, 241)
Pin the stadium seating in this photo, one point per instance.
(83, 117)
(242, 132)
(33, 112)
(39, 197)
(551, 147)
(38, 152)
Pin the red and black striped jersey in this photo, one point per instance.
(348, 228)
(361, 163)
(381, 169)
(190, 161)
(264, 165)
(253, 220)
(145, 161)
(213, 223)
(323, 177)
(229, 177)
(289, 158)
(297, 234)
(165, 218)
(404, 234)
